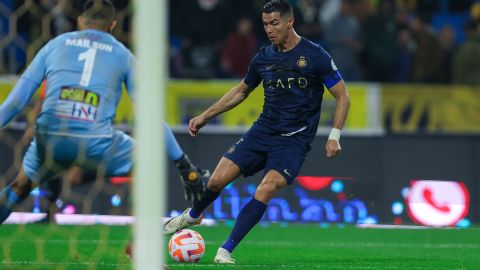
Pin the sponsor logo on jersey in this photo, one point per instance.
(269, 67)
(287, 83)
(79, 104)
(80, 95)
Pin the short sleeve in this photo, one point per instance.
(327, 69)
(253, 78)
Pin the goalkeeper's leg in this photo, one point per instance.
(53, 188)
(14, 194)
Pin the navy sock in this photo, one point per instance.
(8, 199)
(198, 206)
(250, 215)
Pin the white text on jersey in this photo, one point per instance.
(86, 43)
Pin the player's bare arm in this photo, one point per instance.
(340, 93)
(230, 100)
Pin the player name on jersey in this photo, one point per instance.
(86, 43)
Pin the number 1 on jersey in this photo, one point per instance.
(89, 58)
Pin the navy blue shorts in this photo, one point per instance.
(256, 151)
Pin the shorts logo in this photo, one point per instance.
(231, 149)
(78, 104)
(302, 62)
(286, 172)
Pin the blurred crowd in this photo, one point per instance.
(421, 41)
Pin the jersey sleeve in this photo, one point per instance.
(16, 100)
(328, 72)
(24, 88)
(252, 78)
(129, 80)
(37, 68)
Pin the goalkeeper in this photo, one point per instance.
(85, 71)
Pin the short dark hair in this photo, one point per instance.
(99, 11)
(281, 6)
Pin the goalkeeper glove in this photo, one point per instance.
(194, 179)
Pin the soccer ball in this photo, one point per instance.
(186, 246)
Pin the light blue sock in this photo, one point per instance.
(8, 200)
(174, 150)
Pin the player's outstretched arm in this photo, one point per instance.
(339, 91)
(17, 100)
(24, 88)
(229, 101)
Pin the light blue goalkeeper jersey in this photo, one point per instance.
(84, 71)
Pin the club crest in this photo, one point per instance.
(302, 62)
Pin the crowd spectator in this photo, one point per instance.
(466, 65)
(406, 50)
(239, 48)
(379, 32)
(343, 41)
(329, 10)
(204, 26)
(448, 46)
(428, 59)
(311, 26)
(374, 40)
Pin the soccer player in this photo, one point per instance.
(294, 72)
(85, 71)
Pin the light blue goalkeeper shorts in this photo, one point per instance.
(49, 155)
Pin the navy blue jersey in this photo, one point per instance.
(293, 84)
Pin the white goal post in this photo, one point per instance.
(150, 43)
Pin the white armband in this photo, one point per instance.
(335, 134)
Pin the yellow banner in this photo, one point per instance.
(189, 98)
(186, 99)
(431, 108)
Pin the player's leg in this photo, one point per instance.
(113, 156)
(187, 170)
(52, 187)
(251, 214)
(285, 159)
(244, 157)
(225, 172)
(28, 177)
(14, 194)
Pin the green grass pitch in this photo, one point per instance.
(272, 247)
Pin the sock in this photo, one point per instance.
(54, 188)
(250, 215)
(198, 206)
(8, 199)
(174, 150)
